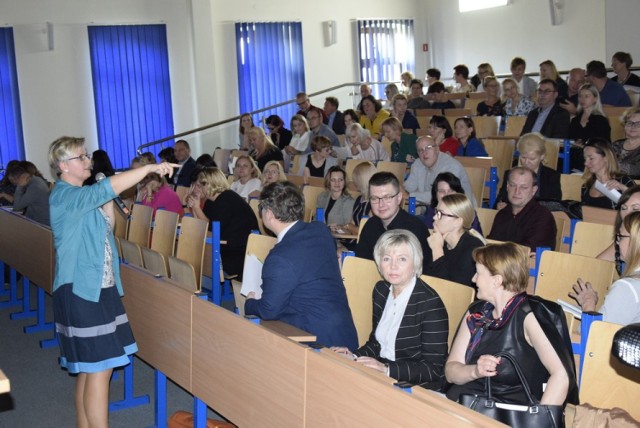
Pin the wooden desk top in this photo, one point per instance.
(284, 329)
(344, 236)
(4, 383)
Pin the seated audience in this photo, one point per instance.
(336, 201)
(600, 165)
(247, 175)
(7, 188)
(627, 150)
(445, 184)
(372, 115)
(390, 91)
(263, 148)
(589, 122)
(158, 194)
(416, 98)
(167, 155)
(305, 106)
(468, 144)
(524, 221)
(317, 128)
(453, 240)
(350, 117)
(100, 163)
(362, 145)
(621, 63)
(440, 130)
(360, 177)
(548, 119)
(515, 104)
(31, 194)
(574, 82)
(336, 117)
(432, 75)
(408, 340)
(386, 201)
(272, 173)
(203, 161)
(437, 95)
(622, 302)
(492, 104)
(150, 156)
(405, 79)
(629, 202)
(299, 141)
(399, 110)
(236, 217)
(526, 85)
(548, 70)
(403, 145)
(301, 283)
(246, 123)
(432, 163)
(365, 91)
(532, 150)
(506, 319)
(484, 70)
(280, 135)
(182, 152)
(460, 76)
(319, 161)
(611, 93)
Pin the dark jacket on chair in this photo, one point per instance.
(555, 126)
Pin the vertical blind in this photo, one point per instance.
(387, 49)
(131, 86)
(270, 66)
(11, 139)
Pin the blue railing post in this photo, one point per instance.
(26, 312)
(129, 400)
(493, 186)
(199, 413)
(346, 254)
(216, 264)
(13, 291)
(160, 400)
(320, 215)
(566, 157)
(412, 205)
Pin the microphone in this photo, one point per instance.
(121, 205)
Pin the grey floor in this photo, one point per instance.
(42, 393)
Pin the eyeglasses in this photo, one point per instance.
(439, 215)
(545, 91)
(426, 148)
(631, 124)
(301, 103)
(81, 157)
(313, 117)
(620, 237)
(386, 199)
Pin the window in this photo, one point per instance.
(11, 140)
(270, 67)
(469, 5)
(131, 87)
(387, 50)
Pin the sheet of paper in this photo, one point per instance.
(252, 276)
(572, 309)
(612, 194)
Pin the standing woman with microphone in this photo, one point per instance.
(90, 321)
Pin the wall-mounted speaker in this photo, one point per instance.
(50, 35)
(330, 34)
(557, 11)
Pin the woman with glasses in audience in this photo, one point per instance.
(515, 104)
(408, 341)
(504, 318)
(601, 167)
(280, 135)
(263, 148)
(622, 302)
(532, 150)
(627, 150)
(336, 200)
(87, 286)
(299, 142)
(236, 217)
(246, 123)
(465, 133)
(629, 202)
(453, 240)
(248, 177)
(589, 122)
(272, 172)
(492, 105)
(403, 145)
(446, 183)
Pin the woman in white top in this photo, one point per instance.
(362, 145)
(248, 176)
(299, 142)
(622, 302)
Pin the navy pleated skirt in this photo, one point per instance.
(93, 336)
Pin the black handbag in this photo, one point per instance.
(534, 415)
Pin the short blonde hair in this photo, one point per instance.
(62, 149)
(507, 259)
(532, 142)
(461, 207)
(394, 238)
(361, 175)
(213, 181)
(255, 171)
(281, 175)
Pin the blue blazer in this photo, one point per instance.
(302, 286)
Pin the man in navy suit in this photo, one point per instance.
(182, 152)
(301, 280)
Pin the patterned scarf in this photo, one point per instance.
(478, 322)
